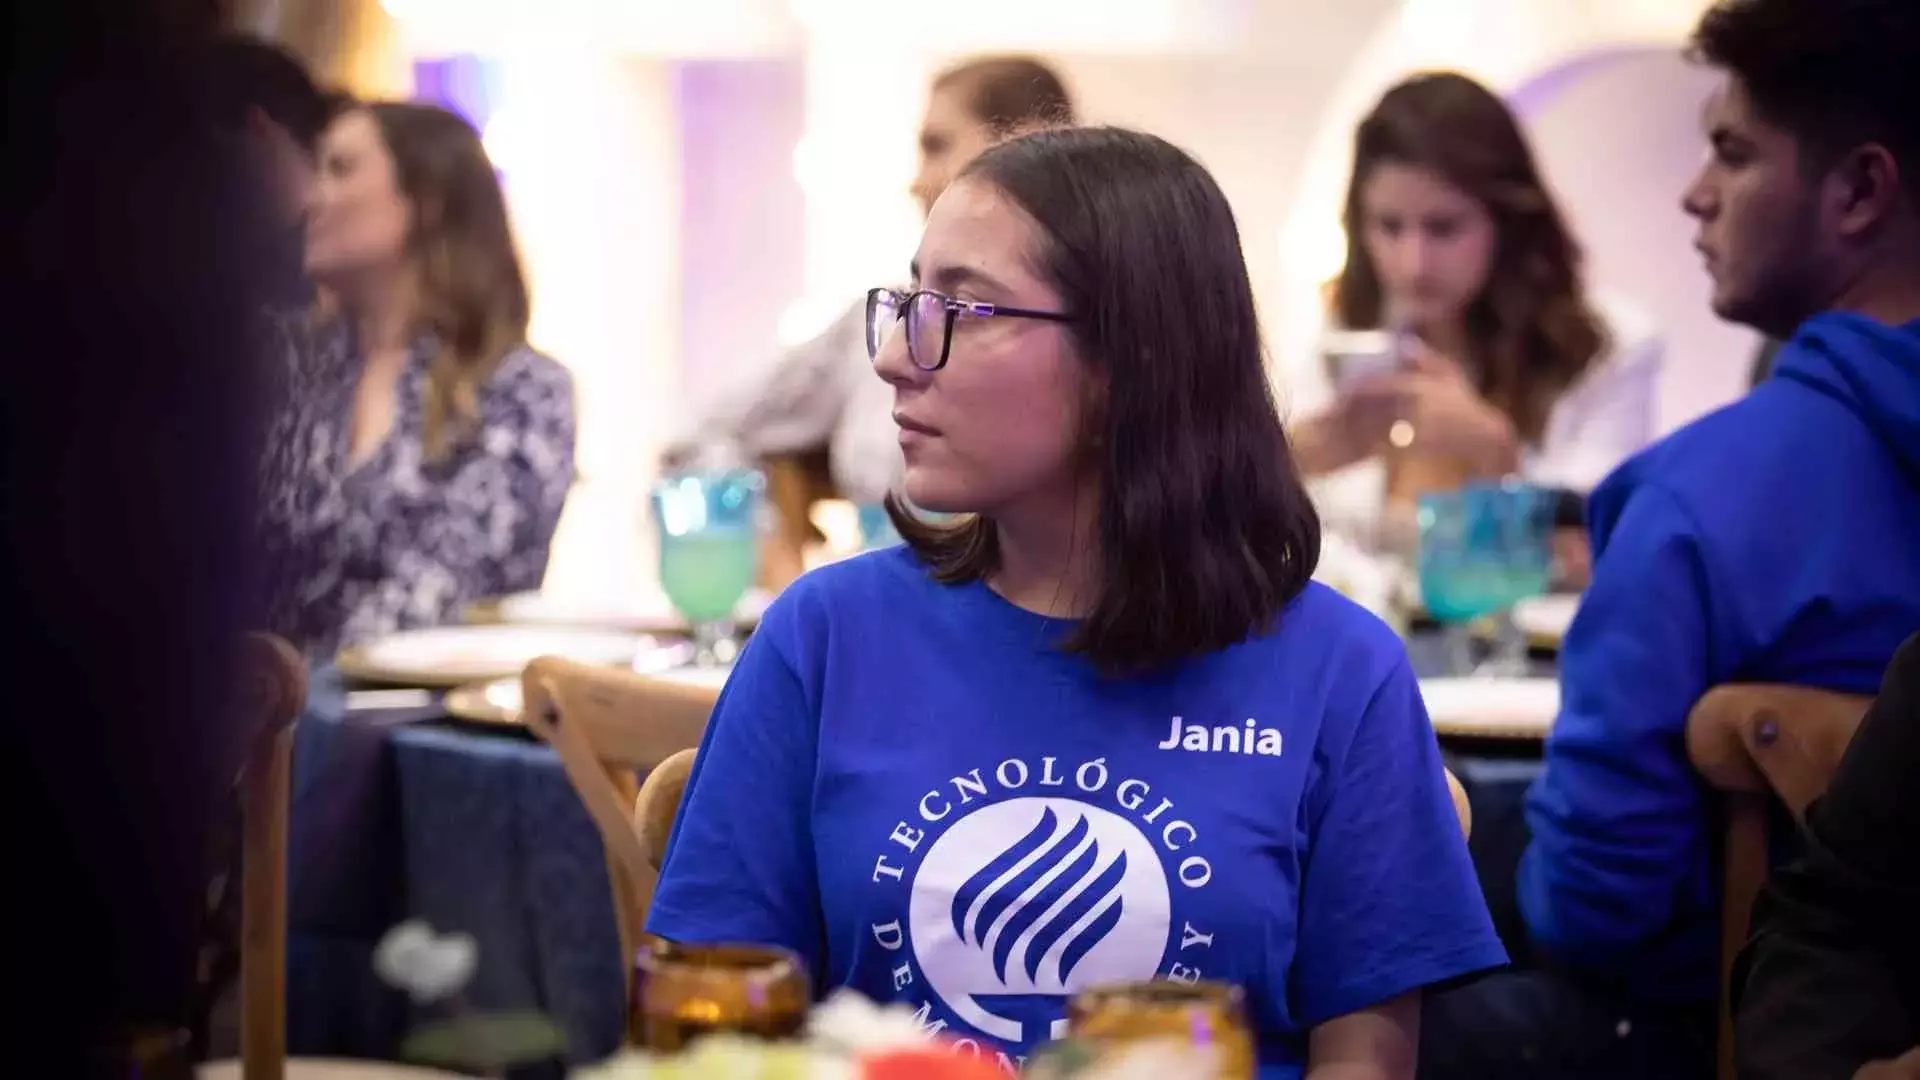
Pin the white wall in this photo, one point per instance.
(1620, 141)
(587, 147)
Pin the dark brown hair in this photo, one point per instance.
(473, 294)
(245, 73)
(1010, 93)
(1205, 529)
(1832, 73)
(1531, 331)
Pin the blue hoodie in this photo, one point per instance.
(1775, 540)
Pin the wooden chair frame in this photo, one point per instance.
(1755, 742)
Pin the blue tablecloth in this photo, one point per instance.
(400, 814)
(404, 814)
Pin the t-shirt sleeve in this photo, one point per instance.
(1388, 897)
(740, 863)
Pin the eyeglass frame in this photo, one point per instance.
(954, 308)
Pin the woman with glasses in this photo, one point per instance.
(1099, 727)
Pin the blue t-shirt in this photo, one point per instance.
(908, 784)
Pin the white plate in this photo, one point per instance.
(496, 702)
(1490, 708)
(711, 678)
(451, 655)
(1544, 619)
(651, 614)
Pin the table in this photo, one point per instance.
(400, 813)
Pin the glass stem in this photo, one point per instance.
(707, 638)
(1509, 657)
(1458, 638)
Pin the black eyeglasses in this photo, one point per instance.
(923, 309)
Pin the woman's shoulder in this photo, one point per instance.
(849, 585)
(529, 383)
(1324, 630)
(527, 367)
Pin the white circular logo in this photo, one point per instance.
(1023, 902)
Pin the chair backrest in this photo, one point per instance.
(274, 692)
(659, 803)
(794, 483)
(608, 725)
(1461, 808)
(1755, 742)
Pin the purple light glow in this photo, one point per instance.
(464, 83)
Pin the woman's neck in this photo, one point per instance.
(1448, 338)
(1049, 556)
(383, 312)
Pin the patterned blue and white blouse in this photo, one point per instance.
(400, 541)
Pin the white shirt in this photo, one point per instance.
(822, 392)
(1607, 415)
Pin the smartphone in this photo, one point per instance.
(1358, 354)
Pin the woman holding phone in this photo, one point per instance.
(1487, 358)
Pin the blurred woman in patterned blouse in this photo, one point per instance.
(427, 450)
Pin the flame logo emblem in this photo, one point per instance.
(1051, 888)
(1023, 902)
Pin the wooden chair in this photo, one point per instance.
(273, 690)
(608, 725)
(1461, 807)
(1756, 742)
(659, 802)
(795, 482)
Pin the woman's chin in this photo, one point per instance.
(928, 490)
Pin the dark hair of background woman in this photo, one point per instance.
(1532, 334)
(1008, 93)
(1205, 530)
(474, 292)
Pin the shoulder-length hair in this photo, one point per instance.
(472, 291)
(1204, 527)
(1531, 332)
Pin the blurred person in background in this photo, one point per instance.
(1456, 245)
(436, 448)
(127, 449)
(823, 393)
(1771, 541)
(262, 93)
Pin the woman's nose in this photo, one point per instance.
(892, 363)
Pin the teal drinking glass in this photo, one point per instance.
(1483, 549)
(709, 526)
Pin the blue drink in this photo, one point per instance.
(709, 550)
(1483, 549)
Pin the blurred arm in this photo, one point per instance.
(1619, 847)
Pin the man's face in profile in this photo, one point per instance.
(1759, 220)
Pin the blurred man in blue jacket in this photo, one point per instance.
(1776, 540)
